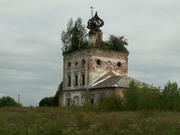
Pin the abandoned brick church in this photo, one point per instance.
(103, 73)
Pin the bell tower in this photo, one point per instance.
(95, 34)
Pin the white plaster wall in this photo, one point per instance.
(72, 95)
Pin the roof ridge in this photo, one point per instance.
(100, 81)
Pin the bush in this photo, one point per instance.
(110, 103)
(170, 97)
(144, 98)
(52, 101)
(8, 102)
(47, 101)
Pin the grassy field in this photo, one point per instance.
(63, 121)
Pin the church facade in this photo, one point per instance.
(101, 73)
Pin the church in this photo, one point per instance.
(100, 73)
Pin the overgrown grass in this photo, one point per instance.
(80, 121)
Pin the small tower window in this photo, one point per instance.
(119, 64)
(98, 62)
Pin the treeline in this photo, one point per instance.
(144, 98)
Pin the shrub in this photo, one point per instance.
(144, 98)
(170, 97)
(52, 101)
(8, 102)
(110, 103)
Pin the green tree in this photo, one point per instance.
(141, 98)
(170, 97)
(131, 97)
(57, 95)
(148, 99)
(52, 101)
(47, 101)
(110, 103)
(74, 37)
(118, 43)
(8, 102)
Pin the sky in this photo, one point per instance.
(30, 41)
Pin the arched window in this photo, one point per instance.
(76, 100)
(92, 99)
(69, 80)
(83, 99)
(76, 63)
(68, 101)
(82, 79)
(75, 79)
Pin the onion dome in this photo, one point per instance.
(94, 24)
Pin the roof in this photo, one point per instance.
(117, 81)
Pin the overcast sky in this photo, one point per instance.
(30, 45)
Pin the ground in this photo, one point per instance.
(75, 121)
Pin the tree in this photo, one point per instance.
(57, 95)
(74, 37)
(148, 99)
(47, 101)
(8, 102)
(131, 97)
(118, 43)
(52, 101)
(141, 98)
(171, 97)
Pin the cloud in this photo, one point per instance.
(1, 95)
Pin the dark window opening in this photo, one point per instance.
(102, 99)
(69, 81)
(83, 62)
(76, 63)
(69, 64)
(68, 101)
(76, 80)
(92, 101)
(119, 64)
(98, 62)
(83, 80)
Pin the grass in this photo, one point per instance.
(64, 121)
